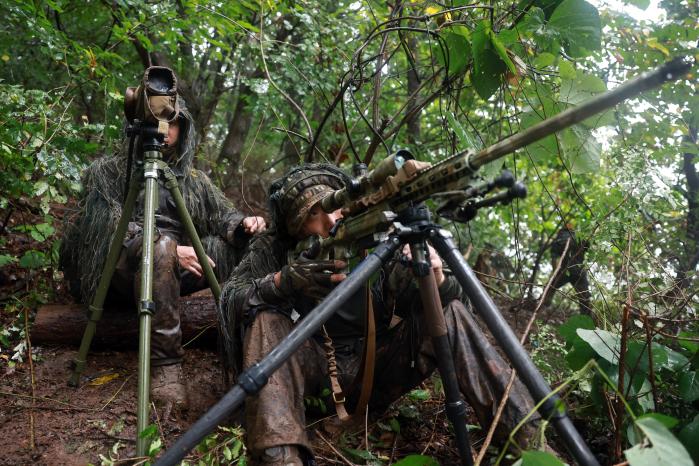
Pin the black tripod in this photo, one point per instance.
(414, 228)
(151, 166)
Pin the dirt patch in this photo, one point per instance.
(74, 426)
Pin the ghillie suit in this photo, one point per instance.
(89, 232)
(572, 267)
(257, 316)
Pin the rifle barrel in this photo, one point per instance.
(668, 72)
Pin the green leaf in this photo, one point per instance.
(581, 150)
(579, 25)
(544, 59)
(33, 259)
(637, 353)
(467, 141)
(419, 395)
(155, 447)
(688, 436)
(538, 458)
(689, 386)
(579, 356)
(237, 445)
(487, 66)
(581, 88)
(568, 329)
(664, 448)
(676, 361)
(502, 51)
(664, 419)
(359, 454)
(690, 346)
(417, 460)
(458, 49)
(149, 432)
(604, 343)
(395, 425)
(7, 259)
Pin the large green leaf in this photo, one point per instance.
(500, 49)
(664, 448)
(579, 25)
(417, 460)
(568, 330)
(688, 436)
(637, 356)
(538, 458)
(545, 149)
(667, 421)
(604, 343)
(487, 65)
(458, 49)
(581, 151)
(689, 386)
(581, 88)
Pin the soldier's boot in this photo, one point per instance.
(284, 455)
(168, 390)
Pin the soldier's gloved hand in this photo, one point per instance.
(310, 277)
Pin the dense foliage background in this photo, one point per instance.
(273, 83)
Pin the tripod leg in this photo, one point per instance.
(437, 327)
(552, 408)
(172, 185)
(96, 306)
(146, 304)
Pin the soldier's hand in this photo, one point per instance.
(435, 262)
(310, 277)
(252, 225)
(188, 260)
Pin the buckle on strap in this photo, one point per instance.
(341, 400)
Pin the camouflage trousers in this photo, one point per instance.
(169, 283)
(404, 358)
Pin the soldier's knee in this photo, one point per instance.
(165, 250)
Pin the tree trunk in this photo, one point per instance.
(64, 324)
(413, 85)
(690, 258)
(238, 128)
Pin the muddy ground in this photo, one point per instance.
(61, 425)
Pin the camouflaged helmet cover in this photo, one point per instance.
(292, 195)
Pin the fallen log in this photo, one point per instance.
(64, 324)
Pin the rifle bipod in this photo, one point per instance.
(152, 167)
(413, 227)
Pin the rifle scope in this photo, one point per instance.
(367, 183)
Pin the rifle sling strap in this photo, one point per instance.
(366, 368)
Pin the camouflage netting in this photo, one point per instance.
(88, 233)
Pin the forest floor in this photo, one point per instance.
(63, 425)
(44, 421)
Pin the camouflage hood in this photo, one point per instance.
(89, 230)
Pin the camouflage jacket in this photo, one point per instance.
(251, 289)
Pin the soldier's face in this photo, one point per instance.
(319, 222)
(173, 133)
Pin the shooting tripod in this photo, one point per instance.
(152, 166)
(413, 227)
